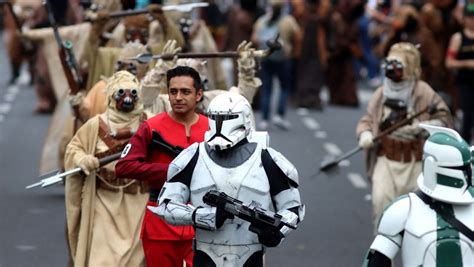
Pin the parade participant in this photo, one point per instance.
(154, 84)
(166, 245)
(104, 214)
(343, 47)
(279, 64)
(432, 226)
(153, 33)
(248, 171)
(95, 101)
(395, 162)
(408, 27)
(460, 57)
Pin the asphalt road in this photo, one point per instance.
(337, 229)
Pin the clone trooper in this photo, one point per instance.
(228, 161)
(433, 225)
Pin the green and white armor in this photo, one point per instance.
(416, 223)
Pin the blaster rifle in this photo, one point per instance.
(273, 45)
(157, 142)
(56, 177)
(68, 61)
(253, 213)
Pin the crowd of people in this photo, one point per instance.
(184, 127)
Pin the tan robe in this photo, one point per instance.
(391, 179)
(201, 42)
(103, 226)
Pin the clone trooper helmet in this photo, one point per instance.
(447, 170)
(230, 120)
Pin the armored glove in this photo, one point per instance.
(268, 236)
(88, 164)
(202, 217)
(366, 140)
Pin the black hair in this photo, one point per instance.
(184, 71)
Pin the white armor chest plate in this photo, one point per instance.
(428, 241)
(247, 182)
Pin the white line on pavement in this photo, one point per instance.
(2, 117)
(332, 149)
(302, 111)
(368, 197)
(357, 180)
(25, 247)
(9, 97)
(310, 123)
(5, 108)
(320, 134)
(345, 163)
(13, 89)
(24, 78)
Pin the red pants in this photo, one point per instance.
(167, 253)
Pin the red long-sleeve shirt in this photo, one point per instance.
(144, 163)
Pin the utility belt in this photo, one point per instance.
(401, 151)
(107, 180)
(154, 194)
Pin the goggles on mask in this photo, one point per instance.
(126, 99)
(393, 69)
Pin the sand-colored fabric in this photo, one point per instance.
(102, 64)
(202, 41)
(104, 225)
(77, 34)
(390, 180)
(423, 96)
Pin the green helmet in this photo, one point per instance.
(447, 171)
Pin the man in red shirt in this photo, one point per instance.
(165, 245)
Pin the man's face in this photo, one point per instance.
(182, 94)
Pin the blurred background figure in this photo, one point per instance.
(343, 47)
(460, 57)
(310, 54)
(275, 23)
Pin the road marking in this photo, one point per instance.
(320, 134)
(357, 180)
(2, 118)
(332, 149)
(25, 247)
(302, 111)
(13, 89)
(9, 97)
(368, 197)
(5, 108)
(24, 78)
(310, 123)
(345, 163)
(37, 211)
